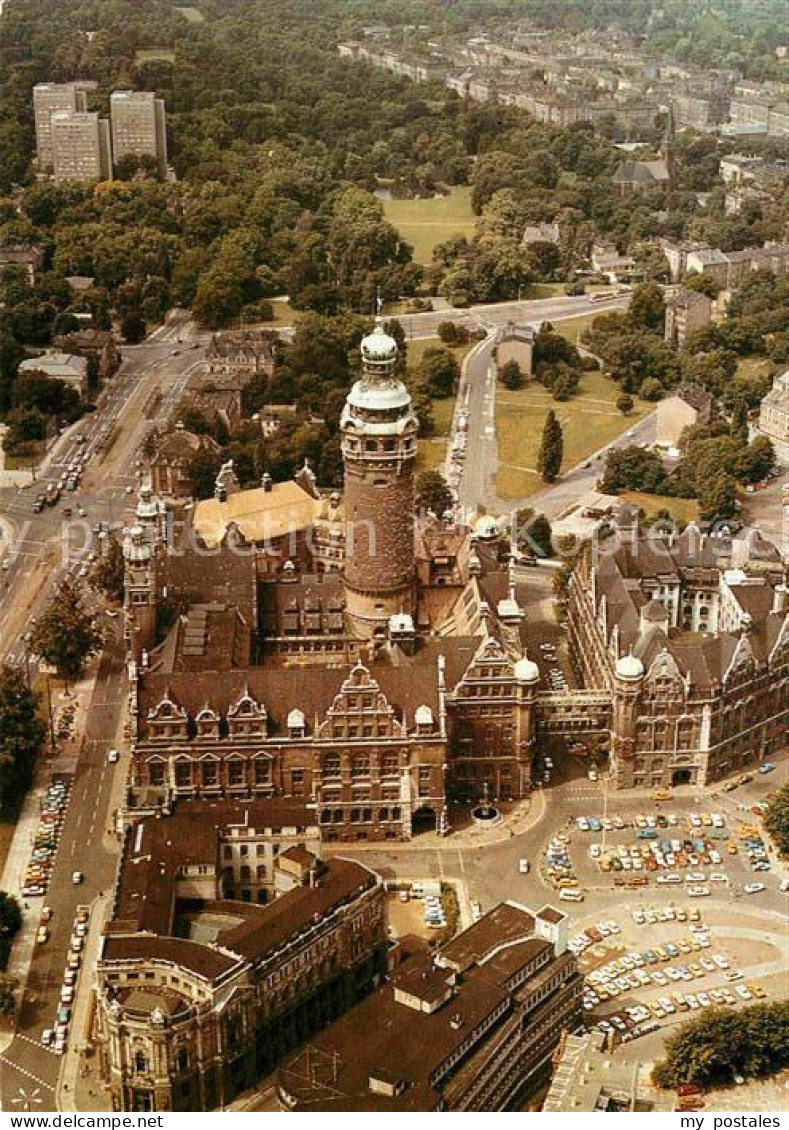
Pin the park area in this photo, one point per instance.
(426, 222)
(589, 421)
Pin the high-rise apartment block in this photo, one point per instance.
(49, 97)
(80, 146)
(138, 126)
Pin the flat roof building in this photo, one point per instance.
(47, 98)
(80, 146)
(471, 1027)
(138, 127)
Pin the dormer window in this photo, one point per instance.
(296, 724)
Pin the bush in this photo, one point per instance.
(651, 389)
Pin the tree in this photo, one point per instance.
(133, 327)
(719, 1043)
(451, 333)
(551, 453)
(651, 389)
(21, 734)
(757, 461)
(647, 308)
(717, 496)
(433, 493)
(776, 818)
(202, 471)
(739, 422)
(625, 403)
(544, 258)
(66, 635)
(439, 370)
(511, 375)
(632, 468)
(107, 574)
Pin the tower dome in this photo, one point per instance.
(527, 671)
(630, 668)
(378, 346)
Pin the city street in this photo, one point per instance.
(86, 845)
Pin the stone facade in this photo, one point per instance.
(198, 999)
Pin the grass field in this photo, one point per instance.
(193, 15)
(680, 509)
(154, 55)
(425, 223)
(589, 421)
(284, 314)
(750, 368)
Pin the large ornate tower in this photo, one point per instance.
(379, 429)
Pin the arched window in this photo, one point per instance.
(140, 1063)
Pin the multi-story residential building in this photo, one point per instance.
(138, 127)
(759, 112)
(201, 988)
(48, 97)
(80, 146)
(243, 354)
(470, 1027)
(687, 312)
(774, 417)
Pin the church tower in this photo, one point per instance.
(378, 428)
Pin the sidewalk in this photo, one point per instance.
(79, 1085)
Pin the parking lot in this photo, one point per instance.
(690, 962)
(696, 850)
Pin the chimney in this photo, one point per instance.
(267, 482)
(780, 598)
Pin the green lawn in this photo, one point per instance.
(154, 55)
(589, 421)
(751, 368)
(284, 314)
(425, 223)
(572, 328)
(7, 827)
(681, 509)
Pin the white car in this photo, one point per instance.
(744, 992)
(112, 755)
(753, 888)
(595, 850)
(718, 877)
(695, 877)
(523, 866)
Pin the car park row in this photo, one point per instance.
(47, 837)
(56, 1037)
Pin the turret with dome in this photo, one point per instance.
(379, 429)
